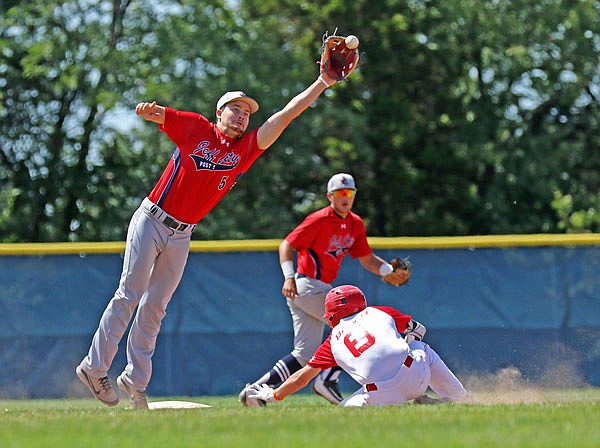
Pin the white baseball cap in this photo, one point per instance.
(237, 95)
(341, 181)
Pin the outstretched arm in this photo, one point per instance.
(293, 384)
(271, 129)
(296, 382)
(151, 112)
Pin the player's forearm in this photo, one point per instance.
(373, 263)
(296, 382)
(271, 129)
(300, 102)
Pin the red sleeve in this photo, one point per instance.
(323, 357)
(302, 236)
(361, 247)
(401, 320)
(180, 126)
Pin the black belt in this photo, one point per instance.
(407, 362)
(170, 222)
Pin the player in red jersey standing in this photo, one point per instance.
(381, 348)
(208, 161)
(322, 241)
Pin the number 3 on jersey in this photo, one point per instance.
(357, 343)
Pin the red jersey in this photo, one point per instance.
(205, 165)
(324, 238)
(324, 357)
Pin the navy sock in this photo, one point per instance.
(283, 369)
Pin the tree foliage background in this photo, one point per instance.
(465, 117)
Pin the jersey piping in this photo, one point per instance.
(315, 258)
(177, 166)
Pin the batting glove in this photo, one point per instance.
(262, 392)
(414, 331)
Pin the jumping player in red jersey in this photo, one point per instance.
(381, 348)
(209, 159)
(322, 241)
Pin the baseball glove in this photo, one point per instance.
(337, 60)
(401, 273)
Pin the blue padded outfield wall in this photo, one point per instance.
(528, 302)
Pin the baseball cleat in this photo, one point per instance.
(136, 397)
(250, 402)
(327, 389)
(100, 388)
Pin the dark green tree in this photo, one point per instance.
(465, 117)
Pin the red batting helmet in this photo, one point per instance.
(343, 301)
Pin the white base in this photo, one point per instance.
(172, 404)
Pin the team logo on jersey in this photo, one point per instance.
(339, 245)
(214, 159)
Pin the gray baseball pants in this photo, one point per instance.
(307, 311)
(153, 264)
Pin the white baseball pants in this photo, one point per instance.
(426, 370)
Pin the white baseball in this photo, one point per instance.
(352, 42)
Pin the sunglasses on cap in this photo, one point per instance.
(344, 192)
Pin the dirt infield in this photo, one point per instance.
(507, 386)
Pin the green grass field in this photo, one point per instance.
(550, 418)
